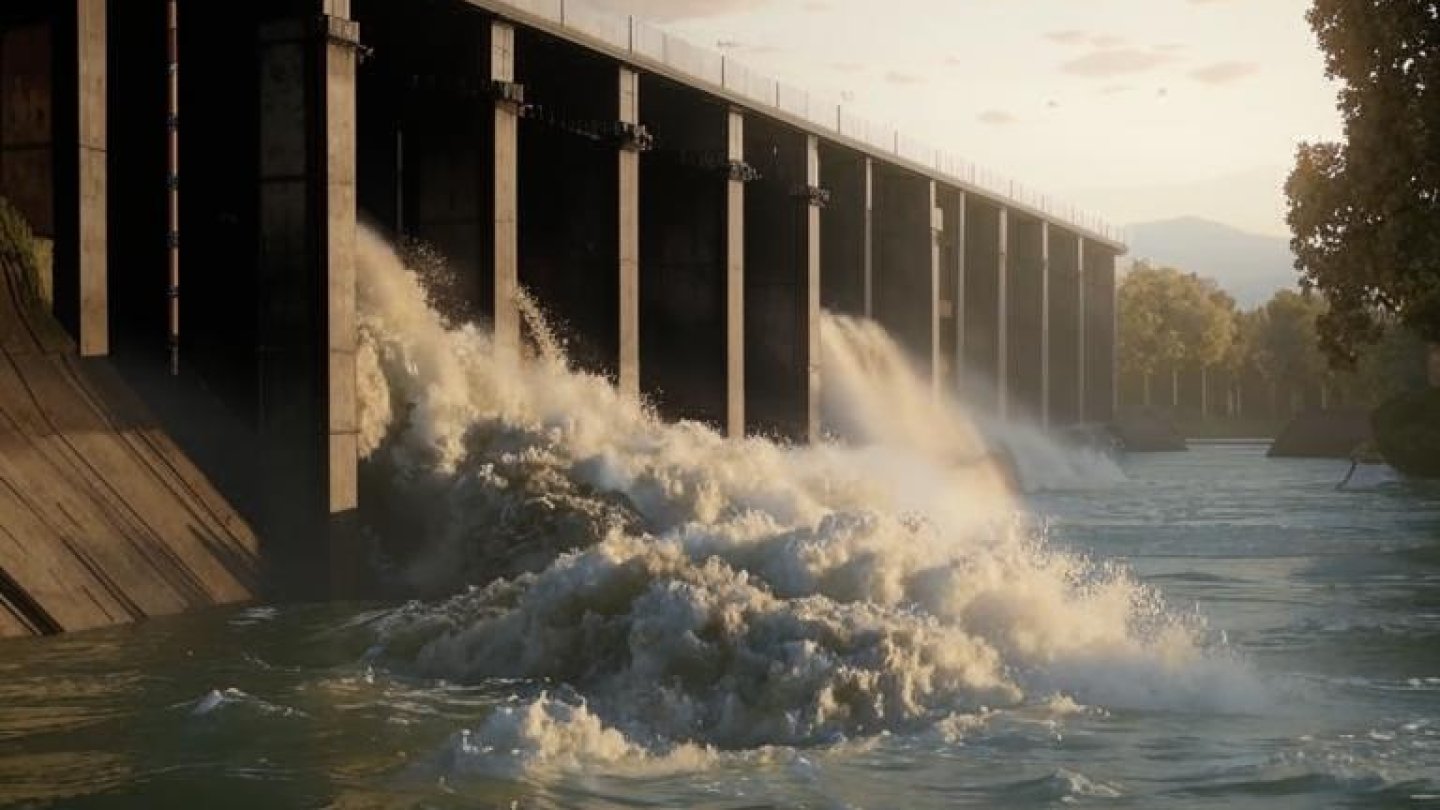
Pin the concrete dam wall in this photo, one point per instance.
(202, 169)
(102, 518)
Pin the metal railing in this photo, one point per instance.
(708, 67)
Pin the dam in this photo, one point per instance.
(201, 171)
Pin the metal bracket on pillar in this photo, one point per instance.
(341, 32)
(633, 137)
(814, 196)
(741, 172)
(508, 93)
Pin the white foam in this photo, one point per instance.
(732, 593)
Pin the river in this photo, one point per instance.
(676, 620)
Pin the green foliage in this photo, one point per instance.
(1407, 429)
(1167, 317)
(1364, 212)
(1171, 320)
(1393, 365)
(1287, 347)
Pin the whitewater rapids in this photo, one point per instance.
(655, 590)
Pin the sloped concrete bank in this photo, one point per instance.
(103, 520)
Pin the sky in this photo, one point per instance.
(1135, 110)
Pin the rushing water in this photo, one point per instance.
(875, 623)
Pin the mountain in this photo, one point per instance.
(1251, 267)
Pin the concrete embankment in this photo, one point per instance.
(103, 520)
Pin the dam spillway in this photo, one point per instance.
(683, 218)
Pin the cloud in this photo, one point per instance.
(997, 118)
(1070, 37)
(662, 10)
(1075, 36)
(1114, 62)
(900, 77)
(1224, 72)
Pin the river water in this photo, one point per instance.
(674, 620)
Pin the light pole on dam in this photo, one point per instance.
(683, 219)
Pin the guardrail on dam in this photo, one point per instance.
(685, 218)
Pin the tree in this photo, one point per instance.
(1364, 212)
(1241, 359)
(1209, 330)
(1148, 337)
(1169, 318)
(1393, 365)
(1288, 346)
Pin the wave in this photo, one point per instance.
(692, 590)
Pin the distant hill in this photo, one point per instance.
(1251, 267)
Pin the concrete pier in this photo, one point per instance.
(738, 174)
(507, 101)
(951, 290)
(82, 258)
(307, 237)
(630, 141)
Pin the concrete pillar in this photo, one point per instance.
(507, 197)
(952, 278)
(307, 270)
(1045, 315)
(1002, 305)
(937, 232)
(629, 243)
(1081, 344)
(735, 278)
(338, 199)
(1111, 364)
(81, 283)
(813, 263)
(869, 275)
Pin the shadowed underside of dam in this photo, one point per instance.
(684, 219)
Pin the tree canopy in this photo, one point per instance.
(1168, 317)
(1364, 212)
(1286, 348)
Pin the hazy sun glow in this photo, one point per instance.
(1136, 109)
